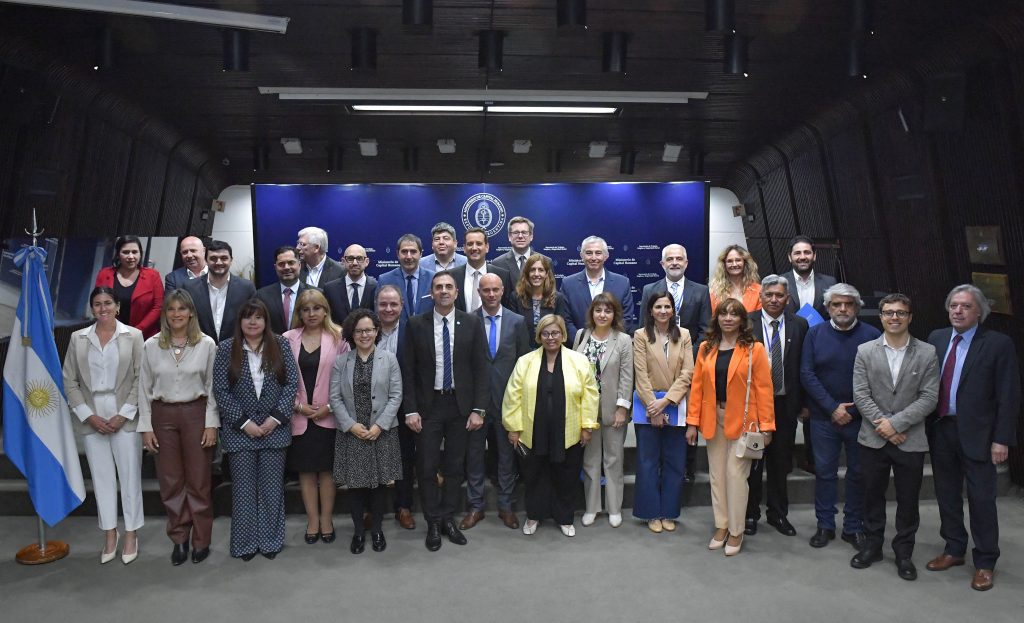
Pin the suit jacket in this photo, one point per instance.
(239, 404)
(695, 312)
(822, 282)
(396, 277)
(702, 408)
(615, 372)
(332, 270)
(239, 291)
(513, 343)
(469, 364)
(582, 398)
(561, 308)
(271, 297)
(905, 405)
(794, 329)
(385, 393)
(988, 395)
(78, 376)
(427, 262)
(577, 293)
(147, 298)
(459, 273)
(329, 351)
(507, 260)
(339, 297)
(176, 279)
(656, 373)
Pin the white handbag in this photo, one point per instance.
(751, 443)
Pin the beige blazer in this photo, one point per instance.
(616, 373)
(655, 373)
(78, 381)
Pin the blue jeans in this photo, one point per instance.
(661, 463)
(828, 441)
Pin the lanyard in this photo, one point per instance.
(767, 327)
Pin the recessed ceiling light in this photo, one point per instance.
(554, 110)
(414, 108)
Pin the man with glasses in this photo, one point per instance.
(520, 236)
(356, 290)
(317, 268)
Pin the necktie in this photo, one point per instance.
(778, 372)
(675, 297)
(492, 339)
(946, 385)
(286, 301)
(446, 344)
(522, 260)
(474, 301)
(410, 301)
(355, 297)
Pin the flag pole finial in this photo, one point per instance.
(36, 232)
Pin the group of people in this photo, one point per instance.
(369, 384)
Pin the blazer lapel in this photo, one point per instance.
(124, 355)
(734, 363)
(82, 355)
(882, 363)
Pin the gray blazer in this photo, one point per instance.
(78, 378)
(386, 395)
(616, 373)
(907, 404)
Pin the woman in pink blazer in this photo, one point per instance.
(316, 342)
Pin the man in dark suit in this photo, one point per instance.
(218, 295)
(193, 260)
(411, 280)
(507, 341)
(782, 334)
(317, 268)
(970, 433)
(285, 291)
(445, 395)
(520, 236)
(693, 302)
(356, 290)
(468, 275)
(581, 288)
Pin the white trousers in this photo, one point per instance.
(114, 458)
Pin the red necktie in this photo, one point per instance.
(946, 386)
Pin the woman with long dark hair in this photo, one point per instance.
(138, 290)
(536, 295)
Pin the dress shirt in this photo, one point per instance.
(469, 292)
(497, 326)
(766, 326)
(163, 378)
(805, 288)
(360, 287)
(218, 299)
(961, 354)
(838, 328)
(192, 275)
(524, 257)
(256, 372)
(596, 286)
(103, 371)
(289, 313)
(439, 348)
(895, 357)
(313, 272)
(389, 340)
(678, 296)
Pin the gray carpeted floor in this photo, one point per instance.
(604, 574)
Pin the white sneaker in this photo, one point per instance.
(588, 519)
(615, 520)
(530, 526)
(568, 530)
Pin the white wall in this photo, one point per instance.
(723, 228)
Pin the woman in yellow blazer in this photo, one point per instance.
(550, 408)
(716, 408)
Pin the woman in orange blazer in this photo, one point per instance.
(716, 408)
(139, 290)
(735, 277)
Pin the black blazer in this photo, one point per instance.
(507, 260)
(469, 364)
(459, 274)
(794, 328)
(988, 395)
(340, 298)
(822, 282)
(271, 296)
(695, 313)
(239, 291)
(332, 270)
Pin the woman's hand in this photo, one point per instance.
(150, 443)
(585, 436)
(767, 439)
(621, 417)
(269, 425)
(100, 425)
(373, 433)
(209, 437)
(250, 429)
(360, 431)
(658, 421)
(117, 422)
(513, 438)
(659, 405)
(691, 435)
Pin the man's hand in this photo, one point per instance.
(841, 416)
(474, 421)
(999, 453)
(414, 422)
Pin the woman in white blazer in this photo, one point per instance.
(101, 373)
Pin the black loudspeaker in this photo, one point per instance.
(944, 103)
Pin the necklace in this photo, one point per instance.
(179, 348)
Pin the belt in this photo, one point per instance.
(444, 392)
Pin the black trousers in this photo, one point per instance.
(778, 462)
(951, 468)
(908, 471)
(403, 488)
(444, 424)
(552, 488)
(363, 500)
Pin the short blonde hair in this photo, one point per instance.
(550, 319)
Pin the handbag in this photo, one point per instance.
(750, 445)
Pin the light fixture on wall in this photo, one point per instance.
(613, 54)
(446, 145)
(236, 50)
(719, 15)
(490, 54)
(571, 13)
(544, 97)
(552, 110)
(597, 149)
(671, 152)
(368, 147)
(627, 162)
(364, 48)
(176, 12)
(417, 12)
(334, 158)
(736, 54)
(292, 146)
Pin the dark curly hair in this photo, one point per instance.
(348, 328)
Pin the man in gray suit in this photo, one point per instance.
(507, 341)
(895, 387)
(520, 236)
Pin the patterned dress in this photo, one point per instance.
(360, 464)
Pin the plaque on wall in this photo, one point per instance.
(996, 289)
(984, 246)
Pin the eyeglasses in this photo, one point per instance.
(519, 234)
(899, 313)
(550, 335)
(354, 259)
(369, 331)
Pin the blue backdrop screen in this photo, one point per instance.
(636, 219)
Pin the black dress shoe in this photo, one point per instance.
(199, 555)
(906, 569)
(782, 525)
(358, 544)
(248, 557)
(328, 537)
(179, 554)
(433, 541)
(452, 531)
(690, 476)
(270, 555)
(822, 537)
(379, 543)
(864, 558)
(856, 539)
(750, 526)
(313, 538)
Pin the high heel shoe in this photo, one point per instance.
(127, 558)
(732, 550)
(530, 526)
(105, 556)
(328, 537)
(312, 538)
(715, 543)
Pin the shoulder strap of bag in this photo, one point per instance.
(580, 334)
(746, 401)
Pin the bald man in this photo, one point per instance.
(193, 259)
(356, 289)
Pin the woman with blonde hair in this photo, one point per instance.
(736, 277)
(536, 295)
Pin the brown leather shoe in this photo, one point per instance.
(944, 561)
(982, 580)
(405, 519)
(471, 519)
(509, 519)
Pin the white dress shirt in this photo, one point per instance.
(895, 357)
(596, 286)
(218, 299)
(103, 361)
(469, 290)
(389, 340)
(288, 313)
(313, 272)
(766, 327)
(439, 347)
(192, 275)
(360, 287)
(805, 289)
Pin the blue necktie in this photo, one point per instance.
(446, 344)
(409, 298)
(492, 341)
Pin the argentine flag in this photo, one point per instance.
(38, 437)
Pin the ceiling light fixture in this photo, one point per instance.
(415, 108)
(613, 56)
(671, 152)
(489, 55)
(521, 146)
(571, 13)
(462, 96)
(553, 110)
(368, 147)
(417, 12)
(736, 54)
(364, 48)
(598, 149)
(292, 146)
(236, 50)
(176, 12)
(446, 145)
(719, 15)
